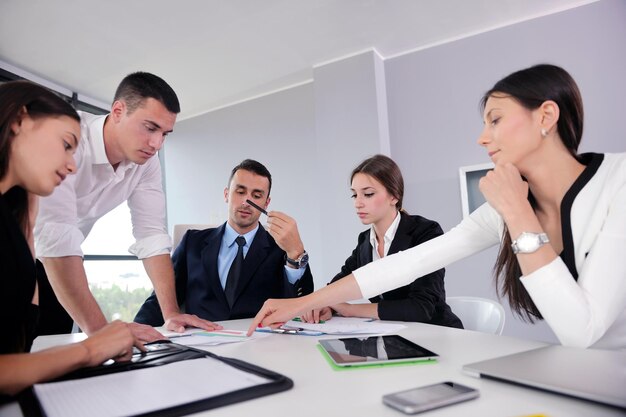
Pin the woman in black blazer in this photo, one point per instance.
(377, 190)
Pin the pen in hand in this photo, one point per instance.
(256, 206)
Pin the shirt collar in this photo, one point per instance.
(390, 234)
(231, 234)
(95, 127)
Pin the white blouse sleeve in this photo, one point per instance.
(580, 312)
(477, 232)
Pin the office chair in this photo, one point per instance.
(480, 314)
(181, 229)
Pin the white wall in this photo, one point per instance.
(350, 126)
(421, 107)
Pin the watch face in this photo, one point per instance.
(304, 260)
(528, 243)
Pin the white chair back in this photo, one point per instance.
(480, 314)
(181, 229)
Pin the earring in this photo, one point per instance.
(544, 132)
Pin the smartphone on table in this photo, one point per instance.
(417, 400)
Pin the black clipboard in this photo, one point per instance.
(164, 352)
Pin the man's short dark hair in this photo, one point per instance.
(139, 86)
(254, 167)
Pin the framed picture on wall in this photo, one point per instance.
(471, 197)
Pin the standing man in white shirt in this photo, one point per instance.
(116, 161)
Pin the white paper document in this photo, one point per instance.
(141, 391)
(348, 325)
(199, 337)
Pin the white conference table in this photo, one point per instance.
(321, 391)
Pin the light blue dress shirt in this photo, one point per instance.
(228, 251)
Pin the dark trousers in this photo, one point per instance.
(53, 319)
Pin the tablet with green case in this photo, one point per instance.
(374, 351)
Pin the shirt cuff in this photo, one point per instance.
(293, 275)
(147, 247)
(55, 240)
(546, 282)
(556, 294)
(547, 285)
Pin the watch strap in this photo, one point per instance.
(295, 262)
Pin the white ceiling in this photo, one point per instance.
(218, 52)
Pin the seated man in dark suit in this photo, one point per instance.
(228, 272)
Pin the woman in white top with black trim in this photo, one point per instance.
(559, 217)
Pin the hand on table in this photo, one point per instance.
(317, 315)
(113, 341)
(275, 313)
(145, 333)
(178, 323)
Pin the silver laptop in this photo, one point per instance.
(591, 374)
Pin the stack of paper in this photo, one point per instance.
(348, 325)
(199, 337)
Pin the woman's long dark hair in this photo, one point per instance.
(18, 98)
(531, 87)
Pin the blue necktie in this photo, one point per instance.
(234, 272)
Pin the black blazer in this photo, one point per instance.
(198, 285)
(425, 299)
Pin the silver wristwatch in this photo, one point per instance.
(528, 242)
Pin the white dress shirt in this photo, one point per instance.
(587, 312)
(228, 251)
(66, 217)
(390, 234)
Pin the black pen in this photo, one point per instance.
(256, 206)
